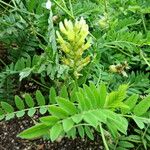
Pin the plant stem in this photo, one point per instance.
(103, 137)
(143, 21)
(40, 84)
(17, 9)
(71, 9)
(66, 11)
(3, 62)
(141, 53)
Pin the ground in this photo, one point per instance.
(9, 141)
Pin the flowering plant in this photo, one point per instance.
(73, 43)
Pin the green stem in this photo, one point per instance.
(40, 84)
(3, 62)
(143, 21)
(105, 5)
(66, 11)
(76, 84)
(103, 137)
(141, 53)
(15, 8)
(71, 9)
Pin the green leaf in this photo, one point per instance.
(40, 98)
(25, 73)
(126, 144)
(31, 112)
(131, 102)
(88, 93)
(52, 95)
(1, 111)
(81, 131)
(67, 105)
(20, 113)
(2, 117)
(73, 96)
(58, 112)
(49, 120)
(139, 122)
(91, 119)
(89, 132)
(77, 118)
(81, 101)
(64, 92)
(67, 124)
(112, 128)
(9, 116)
(19, 103)
(84, 102)
(29, 101)
(142, 107)
(31, 5)
(115, 98)
(55, 131)
(120, 122)
(102, 90)
(121, 148)
(72, 133)
(43, 110)
(2, 114)
(7, 107)
(100, 115)
(35, 131)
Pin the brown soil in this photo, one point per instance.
(9, 141)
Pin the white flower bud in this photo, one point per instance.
(48, 4)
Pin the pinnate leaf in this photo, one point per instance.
(19, 103)
(7, 107)
(55, 131)
(40, 98)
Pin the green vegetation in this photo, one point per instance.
(87, 64)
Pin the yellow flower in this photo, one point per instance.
(73, 42)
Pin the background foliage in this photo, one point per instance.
(30, 58)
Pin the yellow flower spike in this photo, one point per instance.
(73, 43)
(62, 28)
(87, 45)
(59, 39)
(84, 62)
(65, 48)
(66, 23)
(65, 61)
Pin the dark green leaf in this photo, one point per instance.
(131, 101)
(29, 101)
(10, 116)
(64, 92)
(89, 133)
(81, 131)
(142, 107)
(19, 103)
(52, 95)
(7, 107)
(126, 144)
(40, 98)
